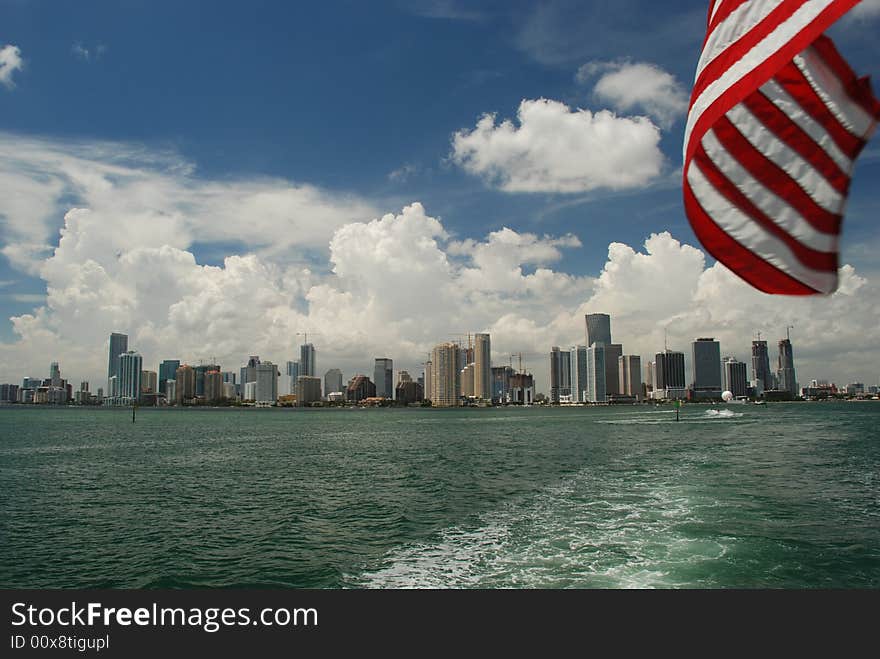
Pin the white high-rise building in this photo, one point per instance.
(596, 392)
(266, 390)
(579, 374)
(630, 374)
(129, 377)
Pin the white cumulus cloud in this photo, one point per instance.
(557, 149)
(10, 62)
(640, 86)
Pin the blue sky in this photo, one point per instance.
(360, 100)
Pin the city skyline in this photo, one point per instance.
(384, 227)
(597, 373)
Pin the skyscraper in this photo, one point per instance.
(267, 383)
(214, 387)
(706, 355)
(307, 359)
(669, 375)
(466, 376)
(598, 328)
(307, 390)
(734, 376)
(761, 365)
(445, 370)
(613, 353)
(118, 345)
(383, 377)
(482, 367)
(630, 374)
(129, 376)
(288, 381)
(560, 374)
(149, 382)
(55, 374)
(333, 381)
(596, 370)
(167, 371)
(359, 388)
(785, 368)
(579, 374)
(185, 385)
(248, 374)
(429, 380)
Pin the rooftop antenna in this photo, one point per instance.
(788, 329)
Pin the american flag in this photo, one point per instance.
(776, 121)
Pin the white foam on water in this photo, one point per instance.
(568, 536)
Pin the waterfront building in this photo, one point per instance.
(560, 374)
(446, 389)
(428, 377)
(501, 376)
(761, 366)
(250, 391)
(522, 389)
(167, 371)
(201, 370)
(170, 391)
(360, 387)
(408, 392)
(266, 391)
(596, 370)
(403, 376)
(483, 367)
(383, 377)
(785, 376)
(669, 375)
(467, 381)
(598, 328)
(129, 374)
(248, 373)
(629, 369)
(579, 374)
(706, 361)
(55, 374)
(118, 345)
(185, 385)
(308, 390)
(307, 359)
(333, 382)
(214, 391)
(613, 353)
(149, 382)
(734, 376)
(9, 393)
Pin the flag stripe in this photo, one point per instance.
(758, 66)
(774, 150)
(772, 176)
(774, 208)
(753, 237)
(740, 34)
(830, 89)
(776, 120)
(795, 83)
(774, 92)
(756, 271)
(730, 25)
(797, 139)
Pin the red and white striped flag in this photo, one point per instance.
(776, 121)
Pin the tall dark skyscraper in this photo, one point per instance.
(167, 371)
(383, 377)
(706, 354)
(761, 365)
(118, 346)
(307, 359)
(669, 370)
(560, 374)
(599, 329)
(785, 368)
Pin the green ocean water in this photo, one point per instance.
(738, 496)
